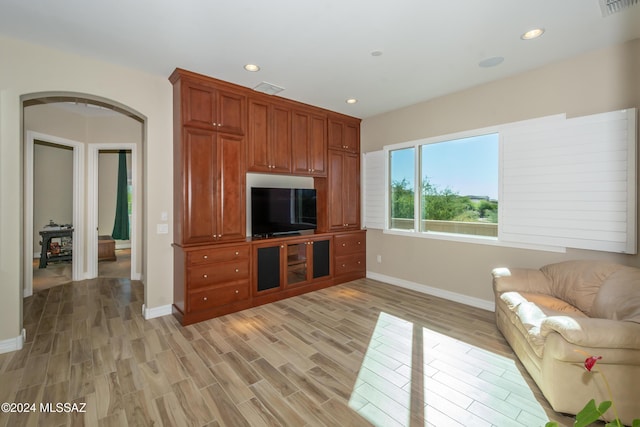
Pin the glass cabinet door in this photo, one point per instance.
(296, 263)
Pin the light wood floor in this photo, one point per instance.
(358, 354)
(56, 274)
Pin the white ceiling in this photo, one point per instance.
(320, 50)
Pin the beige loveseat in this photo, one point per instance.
(594, 307)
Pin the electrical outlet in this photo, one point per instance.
(379, 259)
(162, 228)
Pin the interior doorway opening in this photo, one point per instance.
(88, 127)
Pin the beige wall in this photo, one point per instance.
(52, 188)
(28, 69)
(595, 82)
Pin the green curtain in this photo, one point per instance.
(121, 223)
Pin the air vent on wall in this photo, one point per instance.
(268, 88)
(609, 7)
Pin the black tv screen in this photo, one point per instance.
(282, 210)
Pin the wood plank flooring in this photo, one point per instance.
(359, 354)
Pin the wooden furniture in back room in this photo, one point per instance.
(221, 132)
(106, 248)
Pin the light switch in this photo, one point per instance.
(164, 216)
(163, 228)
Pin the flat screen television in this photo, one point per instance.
(276, 211)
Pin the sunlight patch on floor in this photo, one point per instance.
(415, 376)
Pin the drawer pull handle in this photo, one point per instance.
(237, 253)
(359, 243)
(344, 265)
(237, 291)
(204, 298)
(205, 256)
(344, 244)
(237, 270)
(205, 276)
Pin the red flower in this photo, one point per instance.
(590, 362)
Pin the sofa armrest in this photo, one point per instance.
(520, 280)
(594, 332)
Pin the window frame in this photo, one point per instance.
(612, 136)
(436, 235)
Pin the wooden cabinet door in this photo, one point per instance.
(198, 105)
(208, 108)
(230, 198)
(259, 152)
(336, 131)
(268, 272)
(351, 191)
(335, 188)
(199, 186)
(343, 190)
(308, 144)
(299, 143)
(321, 259)
(318, 145)
(269, 137)
(280, 143)
(351, 137)
(231, 115)
(344, 134)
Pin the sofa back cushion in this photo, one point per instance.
(578, 282)
(619, 296)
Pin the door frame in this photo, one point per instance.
(93, 157)
(77, 261)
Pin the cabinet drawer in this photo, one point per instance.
(351, 243)
(355, 263)
(220, 295)
(221, 272)
(213, 255)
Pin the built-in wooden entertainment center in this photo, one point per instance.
(223, 131)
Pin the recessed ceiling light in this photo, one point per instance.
(532, 34)
(491, 62)
(351, 101)
(252, 67)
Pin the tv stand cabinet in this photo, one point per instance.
(225, 278)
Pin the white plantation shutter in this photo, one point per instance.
(374, 190)
(570, 182)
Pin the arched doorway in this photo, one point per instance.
(87, 124)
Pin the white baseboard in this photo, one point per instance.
(441, 293)
(13, 344)
(151, 313)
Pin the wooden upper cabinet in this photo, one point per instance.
(269, 137)
(309, 143)
(206, 107)
(343, 188)
(344, 133)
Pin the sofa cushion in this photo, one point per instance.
(619, 296)
(553, 306)
(527, 312)
(578, 282)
